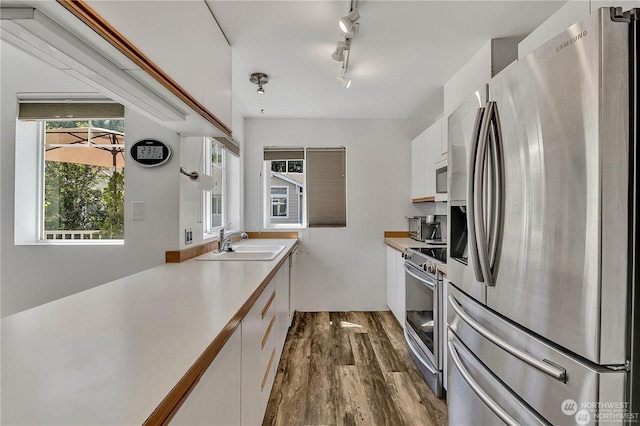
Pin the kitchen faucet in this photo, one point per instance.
(225, 239)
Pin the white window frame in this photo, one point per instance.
(266, 208)
(209, 229)
(286, 201)
(30, 210)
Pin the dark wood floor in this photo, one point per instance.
(350, 368)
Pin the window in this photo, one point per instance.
(82, 179)
(279, 201)
(214, 203)
(286, 173)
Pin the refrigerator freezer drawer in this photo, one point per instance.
(476, 397)
(541, 374)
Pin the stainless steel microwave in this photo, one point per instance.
(441, 180)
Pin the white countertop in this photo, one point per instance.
(110, 354)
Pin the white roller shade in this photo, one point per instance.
(326, 187)
(274, 154)
(70, 111)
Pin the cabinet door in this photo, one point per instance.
(433, 138)
(391, 279)
(215, 400)
(417, 166)
(292, 280)
(254, 327)
(401, 289)
(282, 307)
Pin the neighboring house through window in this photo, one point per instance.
(279, 202)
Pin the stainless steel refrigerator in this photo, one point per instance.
(542, 235)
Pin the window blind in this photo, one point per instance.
(326, 187)
(70, 111)
(230, 144)
(273, 153)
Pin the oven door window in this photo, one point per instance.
(422, 315)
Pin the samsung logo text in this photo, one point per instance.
(572, 40)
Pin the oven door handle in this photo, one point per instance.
(543, 366)
(475, 387)
(428, 281)
(413, 349)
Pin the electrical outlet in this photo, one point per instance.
(188, 236)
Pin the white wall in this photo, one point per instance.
(342, 268)
(32, 275)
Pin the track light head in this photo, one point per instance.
(339, 53)
(259, 79)
(343, 80)
(346, 22)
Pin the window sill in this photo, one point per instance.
(77, 243)
(281, 226)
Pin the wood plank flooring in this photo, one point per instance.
(350, 368)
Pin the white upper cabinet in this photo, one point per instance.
(426, 151)
(433, 136)
(418, 147)
(183, 39)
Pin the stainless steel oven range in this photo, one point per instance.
(424, 328)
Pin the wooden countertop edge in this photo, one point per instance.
(396, 234)
(423, 199)
(394, 245)
(443, 269)
(170, 405)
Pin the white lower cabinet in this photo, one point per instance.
(215, 400)
(392, 297)
(282, 307)
(396, 284)
(401, 289)
(257, 348)
(235, 389)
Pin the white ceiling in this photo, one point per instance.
(401, 57)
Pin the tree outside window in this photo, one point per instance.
(83, 179)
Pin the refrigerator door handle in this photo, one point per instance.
(471, 189)
(498, 193)
(475, 387)
(479, 194)
(544, 366)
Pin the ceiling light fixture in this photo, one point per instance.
(343, 48)
(338, 54)
(259, 79)
(346, 22)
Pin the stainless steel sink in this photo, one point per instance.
(246, 252)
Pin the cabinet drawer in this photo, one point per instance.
(269, 371)
(269, 304)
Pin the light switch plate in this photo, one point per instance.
(137, 210)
